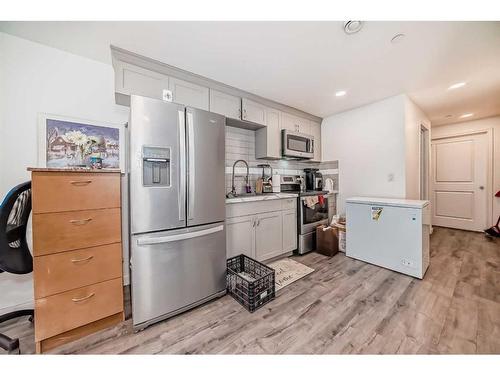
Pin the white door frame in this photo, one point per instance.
(426, 130)
(490, 220)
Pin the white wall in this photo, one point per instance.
(414, 119)
(35, 78)
(369, 144)
(492, 123)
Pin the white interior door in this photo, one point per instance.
(460, 181)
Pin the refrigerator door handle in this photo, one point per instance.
(178, 237)
(181, 194)
(191, 172)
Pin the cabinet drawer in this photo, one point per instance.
(65, 311)
(63, 231)
(252, 207)
(289, 204)
(61, 272)
(56, 192)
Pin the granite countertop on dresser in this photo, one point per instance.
(260, 197)
(80, 170)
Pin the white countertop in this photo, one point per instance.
(261, 197)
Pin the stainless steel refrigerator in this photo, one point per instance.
(177, 208)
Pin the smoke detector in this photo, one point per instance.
(352, 27)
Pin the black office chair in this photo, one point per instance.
(15, 256)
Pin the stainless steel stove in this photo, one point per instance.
(314, 208)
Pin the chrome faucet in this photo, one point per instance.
(232, 193)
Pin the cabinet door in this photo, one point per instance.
(304, 125)
(268, 139)
(189, 94)
(289, 122)
(295, 123)
(289, 219)
(240, 236)
(268, 241)
(131, 79)
(316, 133)
(253, 111)
(225, 104)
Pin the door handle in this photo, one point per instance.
(80, 182)
(181, 194)
(191, 171)
(481, 187)
(82, 260)
(178, 237)
(81, 221)
(83, 298)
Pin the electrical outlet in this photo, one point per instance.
(167, 95)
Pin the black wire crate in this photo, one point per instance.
(250, 282)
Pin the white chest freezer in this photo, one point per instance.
(391, 233)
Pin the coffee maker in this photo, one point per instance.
(314, 179)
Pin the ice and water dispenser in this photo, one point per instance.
(155, 166)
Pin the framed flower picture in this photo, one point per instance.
(65, 142)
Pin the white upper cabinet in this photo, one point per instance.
(189, 94)
(225, 104)
(315, 131)
(131, 79)
(295, 123)
(268, 139)
(253, 111)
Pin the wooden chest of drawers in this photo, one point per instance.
(77, 263)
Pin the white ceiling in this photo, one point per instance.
(303, 64)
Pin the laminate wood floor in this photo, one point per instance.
(345, 306)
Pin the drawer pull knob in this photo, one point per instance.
(83, 298)
(80, 222)
(82, 260)
(80, 182)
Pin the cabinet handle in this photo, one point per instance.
(80, 182)
(258, 222)
(83, 298)
(82, 260)
(81, 222)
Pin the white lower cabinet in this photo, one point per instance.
(261, 235)
(289, 220)
(240, 236)
(268, 242)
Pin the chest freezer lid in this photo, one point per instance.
(394, 202)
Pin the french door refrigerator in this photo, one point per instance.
(177, 208)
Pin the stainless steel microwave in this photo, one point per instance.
(297, 145)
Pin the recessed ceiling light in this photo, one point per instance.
(397, 38)
(465, 115)
(352, 27)
(457, 85)
(340, 93)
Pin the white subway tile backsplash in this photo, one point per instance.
(240, 144)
